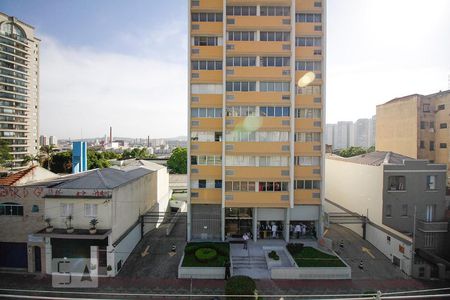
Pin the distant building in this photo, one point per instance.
(346, 134)
(362, 133)
(404, 202)
(19, 87)
(53, 141)
(344, 137)
(417, 126)
(43, 141)
(330, 134)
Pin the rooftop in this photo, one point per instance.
(376, 158)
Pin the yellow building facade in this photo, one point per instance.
(416, 126)
(256, 148)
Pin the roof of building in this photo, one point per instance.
(375, 158)
(13, 178)
(132, 163)
(404, 98)
(107, 178)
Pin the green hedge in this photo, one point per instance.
(240, 285)
(273, 255)
(191, 260)
(205, 254)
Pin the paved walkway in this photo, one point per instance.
(250, 262)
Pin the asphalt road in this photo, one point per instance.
(160, 262)
(376, 267)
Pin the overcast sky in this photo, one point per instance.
(124, 63)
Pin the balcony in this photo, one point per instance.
(434, 226)
(258, 47)
(259, 22)
(259, 73)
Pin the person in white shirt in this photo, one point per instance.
(274, 230)
(245, 238)
(303, 229)
(297, 230)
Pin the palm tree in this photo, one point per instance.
(46, 153)
(31, 158)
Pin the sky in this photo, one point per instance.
(124, 63)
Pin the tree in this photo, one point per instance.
(137, 153)
(177, 162)
(352, 151)
(5, 155)
(31, 159)
(371, 149)
(62, 162)
(46, 153)
(96, 160)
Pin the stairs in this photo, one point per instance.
(252, 266)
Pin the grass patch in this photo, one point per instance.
(311, 257)
(190, 259)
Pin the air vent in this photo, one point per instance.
(195, 99)
(229, 147)
(195, 75)
(230, 97)
(194, 147)
(317, 52)
(286, 47)
(317, 148)
(316, 171)
(286, 72)
(195, 123)
(195, 51)
(317, 100)
(230, 47)
(316, 195)
(230, 72)
(194, 195)
(318, 28)
(284, 172)
(317, 124)
(285, 97)
(228, 197)
(195, 2)
(285, 122)
(285, 148)
(194, 171)
(231, 21)
(229, 122)
(286, 21)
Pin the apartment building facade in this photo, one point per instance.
(255, 154)
(19, 87)
(417, 126)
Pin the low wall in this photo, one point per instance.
(202, 272)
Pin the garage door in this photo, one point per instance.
(13, 255)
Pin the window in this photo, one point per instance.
(240, 186)
(396, 183)
(308, 41)
(307, 160)
(238, 86)
(429, 213)
(443, 125)
(241, 35)
(426, 108)
(441, 107)
(240, 111)
(431, 182)
(308, 113)
(207, 41)
(218, 184)
(209, 112)
(257, 136)
(11, 209)
(206, 160)
(241, 61)
(431, 146)
(308, 18)
(275, 36)
(274, 111)
(207, 17)
(422, 144)
(432, 125)
(275, 11)
(256, 161)
(206, 89)
(35, 208)
(307, 184)
(201, 136)
(90, 210)
(308, 65)
(275, 61)
(429, 240)
(309, 90)
(388, 212)
(241, 10)
(270, 186)
(206, 65)
(443, 145)
(66, 209)
(307, 137)
(401, 249)
(269, 86)
(404, 210)
(202, 184)
(423, 125)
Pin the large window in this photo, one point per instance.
(206, 136)
(240, 186)
(431, 182)
(207, 17)
(309, 90)
(274, 111)
(241, 86)
(308, 65)
(306, 137)
(241, 61)
(270, 86)
(308, 18)
(206, 89)
(275, 11)
(241, 35)
(206, 65)
(308, 41)
(90, 210)
(207, 41)
(256, 161)
(396, 183)
(308, 113)
(66, 209)
(275, 61)
(307, 184)
(307, 160)
(257, 136)
(203, 160)
(209, 112)
(240, 111)
(275, 36)
(241, 10)
(206, 184)
(270, 186)
(11, 209)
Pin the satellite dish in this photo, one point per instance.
(306, 79)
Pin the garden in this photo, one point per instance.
(312, 257)
(206, 254)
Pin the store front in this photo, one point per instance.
(238, 221)
(271, 223)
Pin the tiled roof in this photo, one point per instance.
(375, 158)
(13, 178)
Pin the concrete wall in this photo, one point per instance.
(123, 250)
(356, 187)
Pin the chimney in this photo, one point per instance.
(148, 141)
(110, 135)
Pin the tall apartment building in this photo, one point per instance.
(19, 87)
(416, 126)
(256, 147)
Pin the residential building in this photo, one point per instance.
(362, 133)
(330, 134)
(417, 126)
(117, 198)
(22, 211)
(19, 87)
(43, 141)
(344, 135)
(403, 201)
(53, 141)
(256, 148)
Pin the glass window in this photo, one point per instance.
(201, 183)
(218, 184)
(90, 210)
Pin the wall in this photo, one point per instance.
(356, 187)
(123, 250)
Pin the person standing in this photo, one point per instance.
(274, 230)
(303, 229)
(227, 270)
(245, 238)
(297, 230)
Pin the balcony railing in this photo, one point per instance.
(435, 226)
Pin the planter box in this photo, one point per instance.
(202, 272)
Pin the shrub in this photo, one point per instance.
(273, 255)
(190, 249)
(294, 248)
(240, 285)
(205, 254)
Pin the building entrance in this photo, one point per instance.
(238, 221)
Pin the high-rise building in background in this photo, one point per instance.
(416, 126)
(256, 146)
(346, 134)
(43, 141)
(362, 130)
(53, 140)
(19, 87)
(344, 137)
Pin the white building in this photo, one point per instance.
(53, 141)
(43, 141)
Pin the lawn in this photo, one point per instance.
(190, 259)
(311, 257)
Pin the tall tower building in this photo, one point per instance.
(19, 87)
(255, 157)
